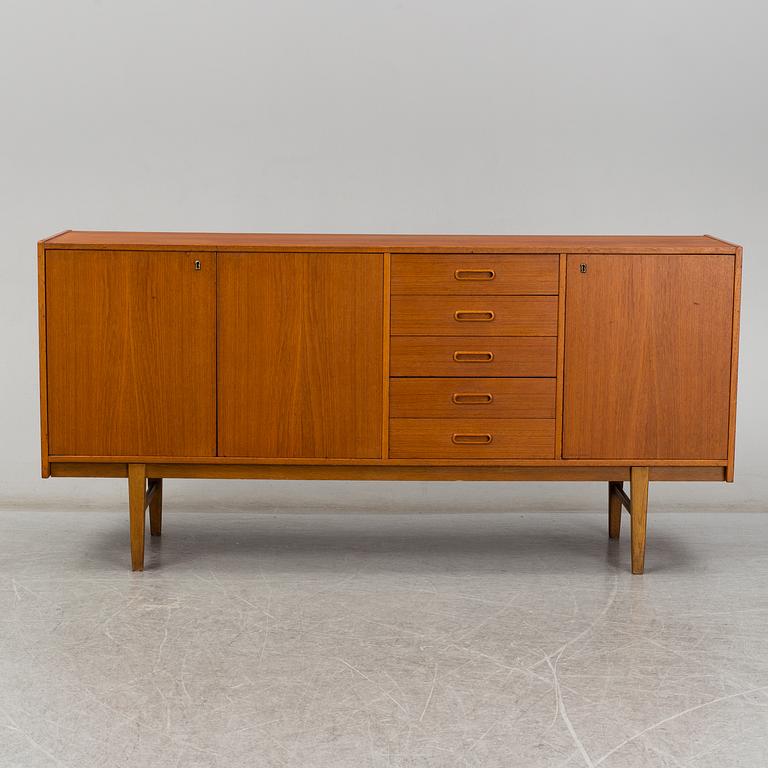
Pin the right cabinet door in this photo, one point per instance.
(647, 356)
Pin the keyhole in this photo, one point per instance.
(198, 266)
(582, 268)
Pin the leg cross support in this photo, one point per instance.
(140, 496)
(637, 506)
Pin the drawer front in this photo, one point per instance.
(459, 356)
(474, 274)
(473, 397)
(471, 438)
(474, 316)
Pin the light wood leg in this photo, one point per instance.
(137, 504)
(614, 510)
(155, 505)
(639, 492)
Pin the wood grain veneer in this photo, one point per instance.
(542, 244)
(498, 398)
(474, 316)
(454, 470)
(473, 356)
(474, 275)
(471, 438)
(648, 356)
(271, 460)
(131, 345)
(300, 360)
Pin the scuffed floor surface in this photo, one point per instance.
(383, 640)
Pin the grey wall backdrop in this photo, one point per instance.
(599, 116)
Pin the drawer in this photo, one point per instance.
(474, 274)
(474, 316)
(472, 438)
(459, 356)
(465, 398)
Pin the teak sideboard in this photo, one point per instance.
(388, 357)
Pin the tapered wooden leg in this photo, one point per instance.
(614, 510)
(137, 505)
(639, 493)
(155, 505)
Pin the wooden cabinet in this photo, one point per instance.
(388, 357)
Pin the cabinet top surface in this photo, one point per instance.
(390, 243)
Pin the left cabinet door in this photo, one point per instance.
(131, 353)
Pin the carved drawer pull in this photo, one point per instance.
(474, 315)
(464, 439)
(472, 398)
(473, 357)
(474, 274)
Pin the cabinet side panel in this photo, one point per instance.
(300, 355)
(43, 361)
(648, 356)
(131, 353)
(734, 366)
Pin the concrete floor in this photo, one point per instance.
(383, 640)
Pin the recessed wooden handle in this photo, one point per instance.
(472, 398)
(473, 357)
(474, 274)
(469, 439)
(474, 315)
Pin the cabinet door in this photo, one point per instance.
(647, 356)
(300, 355)
(131, 339)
